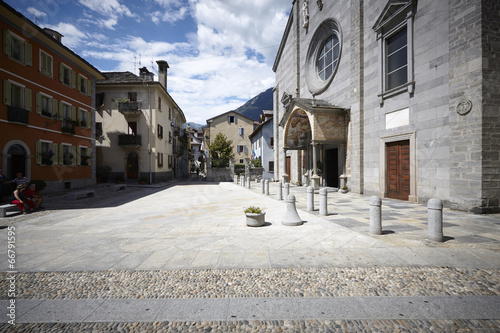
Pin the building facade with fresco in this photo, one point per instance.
(399, 99)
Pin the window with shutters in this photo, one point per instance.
(160, 160)
(394, 29)
(132, 97)
(83, 118)
(46, 64)
(67, 154)
(82, 84)
(241, 131)
(46, 154)
(65, 75)
(16, 96)
(231, 119)
(83, 156)
(17, 48)
(46, 105)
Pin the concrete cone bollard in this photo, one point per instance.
(375, 215)
(248, 182)
(323, 202)
(262, 184)
(291, 218)
(435, 220)
(286, 190)
(310, 198)
(279, 193)
(266, 186)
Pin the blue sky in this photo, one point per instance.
(220, 52)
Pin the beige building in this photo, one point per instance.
(236, 128)
(139, 127)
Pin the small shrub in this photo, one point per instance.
(253, 210)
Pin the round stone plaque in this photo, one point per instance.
(464, 107)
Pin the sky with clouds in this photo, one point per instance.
(220, 52)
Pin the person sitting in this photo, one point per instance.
(20, 180)
(30, 193)
(19, 199)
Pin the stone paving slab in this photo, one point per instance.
(189, 241)
(339, 308)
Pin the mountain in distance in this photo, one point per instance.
(253, 108)
(193, 126)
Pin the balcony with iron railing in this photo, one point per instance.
(129, 108)
(18, 115)
(129, 140)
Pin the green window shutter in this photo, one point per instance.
(38, 105)
(73, 79)
(27, 99)
(61, 72)
(78, 83)
(6, 42)
(38, 152)
(89, 154)
(89, 87)
(73, 151)
(61, 154)
(89, 119)
(79, 155)
(73, 113)
(61, 110)
(28, 54)
(6, 92)
(55, 150)
(54, 107)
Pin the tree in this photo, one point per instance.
(221, 150)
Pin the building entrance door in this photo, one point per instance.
(332, 167)
(132, 166)
(289, 167)
(398, 170)
(17, 161)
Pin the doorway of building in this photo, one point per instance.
(288, 167)
(132, 166)
(332, 167)
(17, 161)
(398, 170)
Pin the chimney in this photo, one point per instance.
(162, 73)
(145, 74)
(54, 34)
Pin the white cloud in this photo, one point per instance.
(37, 13)
(73, 36)
(111, 10)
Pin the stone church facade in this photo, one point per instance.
(399, 99)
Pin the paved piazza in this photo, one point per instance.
(180, 258)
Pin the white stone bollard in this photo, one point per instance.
(286, 190)
(279, 193)
(291, 218)
(262, 184)
(236, 179)
(375, 215)
(310, 198)
(248, 182)
(323, 202)
(242, 180)
(266, 186)
(435, 220)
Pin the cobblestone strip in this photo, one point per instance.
(232, 283)
(284, 326)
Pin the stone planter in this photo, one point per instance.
(255, 220)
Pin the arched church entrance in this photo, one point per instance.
(318, 132)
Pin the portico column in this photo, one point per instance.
(315, 178)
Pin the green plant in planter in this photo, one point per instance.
(253, 210)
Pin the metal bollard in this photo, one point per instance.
(375, 215)
(248, 182)
(291, 218)
(286, 190)
(279, 194)
(435, 220)
(323, 202)
(266, 186)
(262, 184)
(310, 198)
